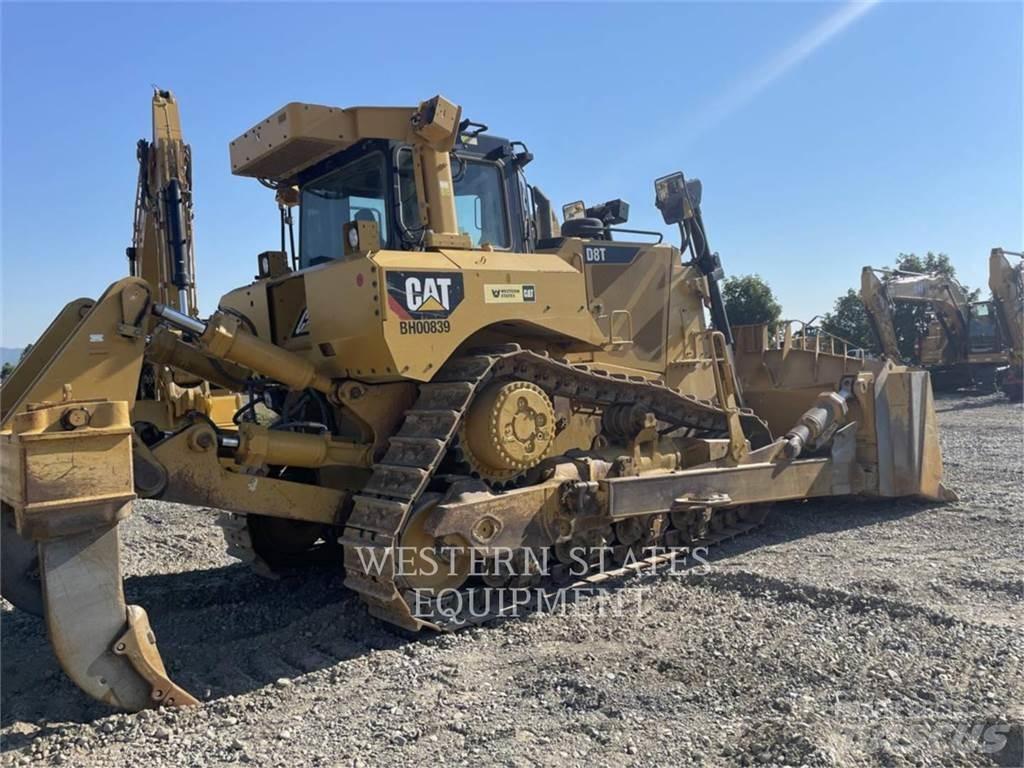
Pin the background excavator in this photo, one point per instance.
(968, 342)
(441, 376)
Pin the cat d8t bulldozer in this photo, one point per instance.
(447, 390)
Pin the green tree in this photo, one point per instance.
(749, 300)
(849, 320)
(8, 367)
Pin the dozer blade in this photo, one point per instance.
(907, 436)
(106, 647)
(897, 448)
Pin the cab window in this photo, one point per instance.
(982, 329)
(352, 193)
(479, 199)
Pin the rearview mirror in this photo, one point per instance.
(576, 210)
(676, 197)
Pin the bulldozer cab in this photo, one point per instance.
(374, 181)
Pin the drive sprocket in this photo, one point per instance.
(509, 429)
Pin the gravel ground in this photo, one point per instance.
(842, 634)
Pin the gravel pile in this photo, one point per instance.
(842, 634)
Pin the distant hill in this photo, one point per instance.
(10, 355)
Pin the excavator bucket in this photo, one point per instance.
(66, 457)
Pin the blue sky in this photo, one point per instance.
(827, 136)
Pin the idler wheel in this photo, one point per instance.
(428, 564)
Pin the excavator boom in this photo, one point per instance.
(162, 252)
(1006, 282)
(880, 313)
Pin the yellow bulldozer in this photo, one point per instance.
(447, 390)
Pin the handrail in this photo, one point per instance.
(726, 388)
(811, 338)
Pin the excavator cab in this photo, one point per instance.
(983, 328)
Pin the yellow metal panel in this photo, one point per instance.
(410, 260)
(101, 356)
(344, 303)
(497, 261)
(360, 329)
(554, 305)
(630, 301)
(251, 302)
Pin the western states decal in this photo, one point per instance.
(510, 293)
(422, 301)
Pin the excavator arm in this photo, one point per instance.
(1007, 284)
(1006, 281)
(880, 313)
(944, 295)
(162, 252)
